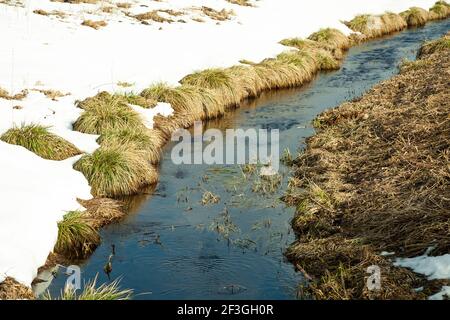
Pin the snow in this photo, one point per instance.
(440, 296)
(35, 194)
(432, 267)
(50, 52)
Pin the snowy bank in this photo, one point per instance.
(432, 267)
(35, 194)
(50, 53)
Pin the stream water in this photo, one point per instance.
(169, 246)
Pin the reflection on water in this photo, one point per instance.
(175, 247)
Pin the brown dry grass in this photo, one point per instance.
(51, 13)
(103, 211)
(94, 24)
(372, 26)
(440, 10)
(221, 15)
(376, 178)
(244, 3)
(10, 289)
(415, 17)
(152, 16)
(4, 94)
(52, 94)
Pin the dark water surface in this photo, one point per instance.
(169, 248)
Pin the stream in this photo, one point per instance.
(170, 245)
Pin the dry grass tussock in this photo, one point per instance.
(106, 112)
(376, 178)
(77, 238)
(149, 141)
(49, 13)
(78, 1)
(94, 24)
(117, 170)
(4, 94)
(91, 291)
(221, 15)
(183, 99)
(41, 141)
(152, 16)
(440, 10)
(244, 3)
(331, 37)
(78, 231)
(52, 94)
(10, 289)
(102, 211)
(376, 26)
(439, 45)
(415, 17)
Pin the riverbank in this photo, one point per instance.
(372, 188)
(189, 102)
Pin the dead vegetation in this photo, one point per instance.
(103, 211)
(4, 94)
(244, 3)
(221, 15)
(10, 289)
(376, 178)
(440, 10)
(415, 17)
(39, 140)
(372, 26)
(52, 94)
(94, 24)
(51, 13)
(152, 16)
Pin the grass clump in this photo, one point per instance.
(248, 80)
(39, 140)
(106, 112)
(138, 100)
(183, 99)
(244, 3)
(289, 69)
(376, 26)
(103, 211)
(76, 236)
(94, 24)
(440, 10)
(116, 170)
(221, 15)
(331, 37)
(439, 45)
(10, 289)
(325, 56)
(360, 23)
(407, 65)
(415, 16)
(140, 138)
(4, 94)
(91, 291)
(222, 83)
(209, 198)
(152, 16)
